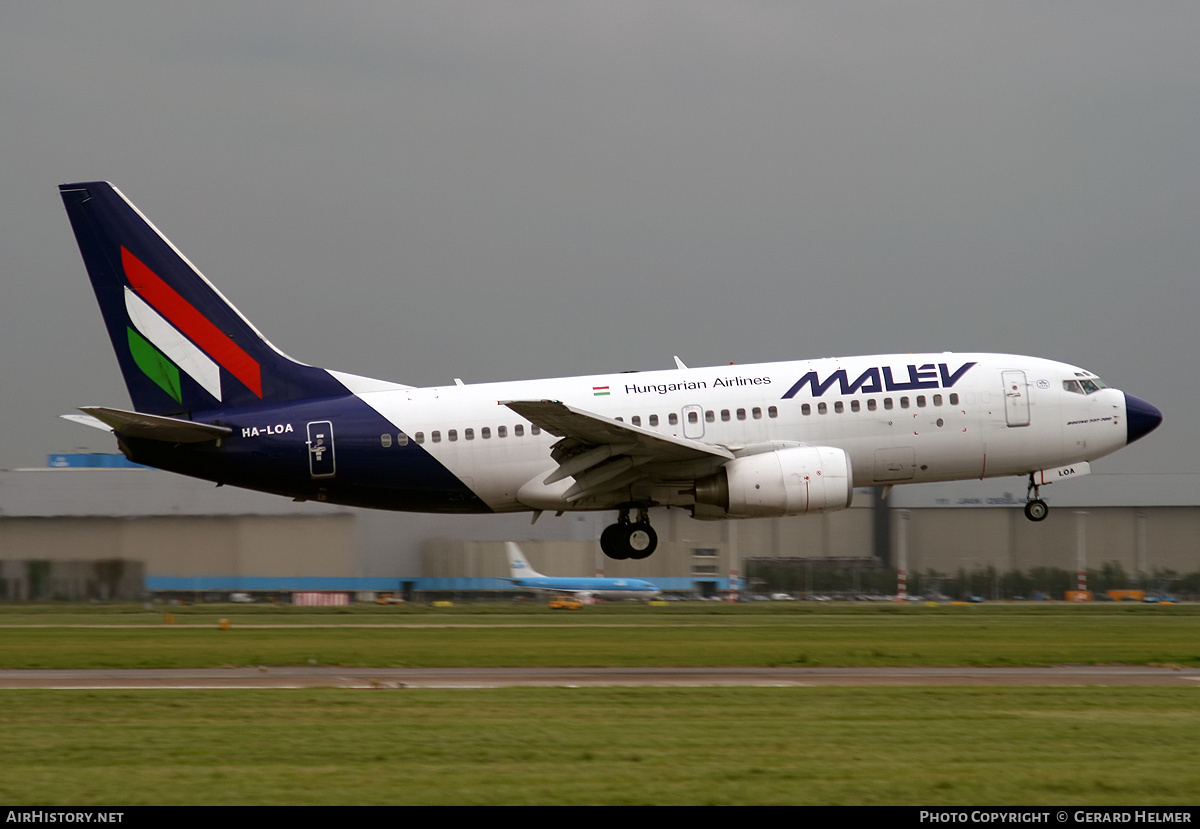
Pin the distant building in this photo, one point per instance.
(89, 526)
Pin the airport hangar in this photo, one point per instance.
(94, 527)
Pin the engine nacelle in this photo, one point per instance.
(792, 481)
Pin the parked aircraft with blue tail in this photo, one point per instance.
(213, 399)
(524, 576)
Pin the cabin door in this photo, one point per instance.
(1016, 398)
(320, 449)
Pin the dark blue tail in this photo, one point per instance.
(181, 345)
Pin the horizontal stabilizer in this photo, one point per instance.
(87, 420)
(154, 427)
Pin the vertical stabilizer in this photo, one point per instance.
(181, 345)
(518, 566)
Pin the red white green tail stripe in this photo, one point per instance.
(171, 332)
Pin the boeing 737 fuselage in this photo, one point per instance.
(214, 399)
(526, 578)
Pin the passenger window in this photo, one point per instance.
(838, 407)
(469, 434)
(822, 409)
(693, 417)
(519, 430)
(385, 441)
(903, 402)
(954, 400)
(920, 401)
(653, 420)
(756, 413)
(402, 439)
(805, 409)
(636, 420)
(871, 405)
(673, 419)
(452, 435)
(436, 437)
(855, 405)
(937, 400)
(535, 429)
(724, 415)
(887, 403)
(741, 414)
(485, 432)
(710, 416)
(501, 431)
(419, 437)
(771, 411)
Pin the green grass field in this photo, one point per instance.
(946, 746)
(592, 746)
(617, 637)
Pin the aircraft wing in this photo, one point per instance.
(603, 454)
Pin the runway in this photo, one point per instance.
(399, 678)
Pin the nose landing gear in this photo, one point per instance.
(626, 540)
(1035, 508)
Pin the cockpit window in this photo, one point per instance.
(1087, 385)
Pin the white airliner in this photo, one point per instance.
(213, 399)
(523, 575)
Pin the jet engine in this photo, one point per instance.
(791, 481)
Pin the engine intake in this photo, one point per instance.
(792, 481)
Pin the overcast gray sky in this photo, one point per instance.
(499, 190)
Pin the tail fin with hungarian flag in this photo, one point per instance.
(181, 345)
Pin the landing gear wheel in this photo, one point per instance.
(1035, 507)
(1036, 510)
(641, 540)
(612, 542)
(624, 540)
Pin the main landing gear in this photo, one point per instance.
(624, 540)
(1035, 507)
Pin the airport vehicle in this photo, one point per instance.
(212, 398)
(524, 576)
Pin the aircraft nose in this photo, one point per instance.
(1140, 418)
